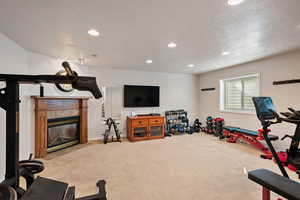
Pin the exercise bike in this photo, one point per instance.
(37, 188)
(291, 157)
(270, 181)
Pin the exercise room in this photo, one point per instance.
(149, 100)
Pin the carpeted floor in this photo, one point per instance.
(190, 167)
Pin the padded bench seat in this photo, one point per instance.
(248, 132)
(46, 189)
(281, 185)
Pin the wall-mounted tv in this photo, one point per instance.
(141, 96)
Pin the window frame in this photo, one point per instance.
(223, 95)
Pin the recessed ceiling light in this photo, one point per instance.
(225, 53)
(191, 65)
(93, 32)
(149, 61)
(234, 2)
(172, 45)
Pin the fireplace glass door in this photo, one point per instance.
(62, 133)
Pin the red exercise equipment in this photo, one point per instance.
(254, 138)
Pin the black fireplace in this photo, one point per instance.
(63, 133)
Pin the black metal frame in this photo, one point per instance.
(10, 100)
(182, 121)
(293, 151)
(265, 132)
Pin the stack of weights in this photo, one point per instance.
(209, 125)
(197, 126)
(218, 127)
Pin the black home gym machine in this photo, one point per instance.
(270, 181)
(36, 188)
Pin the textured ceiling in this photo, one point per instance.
(135, 30)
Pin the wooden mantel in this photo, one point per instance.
(50, 107)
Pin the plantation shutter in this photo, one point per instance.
(233, 94)
(250, 90)
(238, 93)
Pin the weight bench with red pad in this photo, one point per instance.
(252, 137)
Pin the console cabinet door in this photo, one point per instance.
(140, 132)
(156, 131)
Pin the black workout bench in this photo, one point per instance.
(280, 185)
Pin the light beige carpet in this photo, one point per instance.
(190, 167)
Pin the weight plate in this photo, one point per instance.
(33, 166)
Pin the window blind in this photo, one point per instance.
(238, 93)
(250, 90)
(233, 94)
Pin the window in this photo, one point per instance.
(236, 93)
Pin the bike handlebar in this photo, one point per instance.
(290, 120)
(286, 119)
(297, 113)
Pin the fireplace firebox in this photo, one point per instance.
(63, 133)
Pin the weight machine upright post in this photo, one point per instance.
(12, 131)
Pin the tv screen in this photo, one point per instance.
(141, 96)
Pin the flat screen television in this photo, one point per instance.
(141, 96)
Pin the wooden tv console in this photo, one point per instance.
(145, 128)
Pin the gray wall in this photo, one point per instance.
(281, 67)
